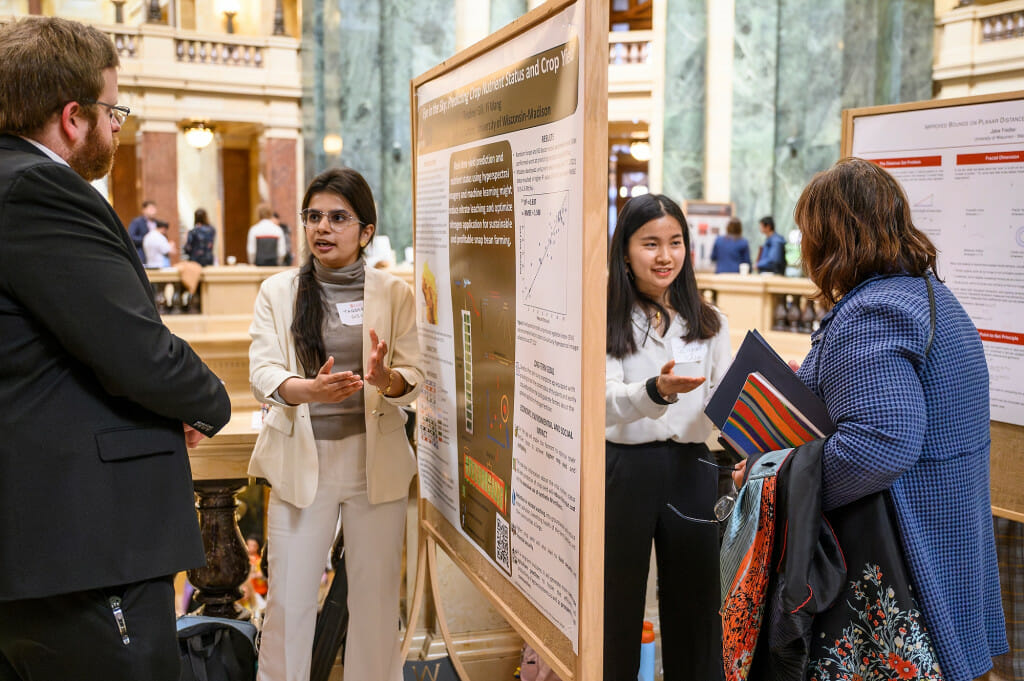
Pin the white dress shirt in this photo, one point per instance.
(631, 416)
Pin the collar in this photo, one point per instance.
(45, 149)
(354, 273)
(816, 336)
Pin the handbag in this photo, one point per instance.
(216, 649)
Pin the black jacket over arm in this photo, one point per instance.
(94, 476)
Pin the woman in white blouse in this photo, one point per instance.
(667, 349)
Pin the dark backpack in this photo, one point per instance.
(216, 649)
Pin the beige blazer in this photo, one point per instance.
(285, 452)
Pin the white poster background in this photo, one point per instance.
(545, 484)
(962, 168)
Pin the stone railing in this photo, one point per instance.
(1002, 26)
(980, 49)
(205, 51)
(629, 47)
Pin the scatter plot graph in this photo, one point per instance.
(544, 250)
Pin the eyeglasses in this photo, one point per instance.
(722, 509)
(117, 113)
(336, 219)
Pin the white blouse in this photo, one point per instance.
(631, 416)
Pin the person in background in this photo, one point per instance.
(667, 350)
(157, 247)
(199, 244)
(911, 417)
(287, 232)
(772, 257)
(142, 225)
(730, 249)
(335, 353)
(99, 399)
(265, 242)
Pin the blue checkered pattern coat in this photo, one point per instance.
(920, 428)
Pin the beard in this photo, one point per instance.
(95, 157)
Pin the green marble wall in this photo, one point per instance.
(505, 12)
(358, 59)
(685, 99)
(797, 65)
(755, 81)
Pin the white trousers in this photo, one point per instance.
(299, 540)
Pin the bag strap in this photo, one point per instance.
(931, 315)
(197, 654)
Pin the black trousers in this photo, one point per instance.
(640, 481)
(75, 636)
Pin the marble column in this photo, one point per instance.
(279, 169)
(360, 60)
(754, 84)
(505, 12)
(156, 162)
(797, 65)
(685, 97)
(419, 37)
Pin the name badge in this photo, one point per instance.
(351, 313)
(688, 353)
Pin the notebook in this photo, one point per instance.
(763, 420)
(776, 401)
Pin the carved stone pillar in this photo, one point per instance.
(218, 585)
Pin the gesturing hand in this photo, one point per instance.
(668, 383)
(377, 373)
(328, 387)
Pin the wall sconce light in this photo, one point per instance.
(198, 135)
(332, 144)
(640, 150)
(231, 20)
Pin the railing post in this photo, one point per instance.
(218, 585)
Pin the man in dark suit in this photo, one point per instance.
(141, 225)
(94, 390)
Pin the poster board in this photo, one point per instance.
(961, 164)
(707, 221)
(509, 201)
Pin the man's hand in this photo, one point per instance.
(192, 436)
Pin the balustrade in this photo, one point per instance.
(223, 53)
(1002, 26)
(629, 47)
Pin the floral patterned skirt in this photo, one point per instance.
(875, 629)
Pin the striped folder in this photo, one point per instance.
(763, 420)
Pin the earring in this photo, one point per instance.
(362, 244)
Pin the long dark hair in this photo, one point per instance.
(855, 223)
(701, 319)
(308, 323)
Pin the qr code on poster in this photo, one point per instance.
(501, 537)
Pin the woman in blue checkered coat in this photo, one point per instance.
(915, 424)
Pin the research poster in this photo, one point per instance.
(962, 168)
(499, 146)
(707, 221)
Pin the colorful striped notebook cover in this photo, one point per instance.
(763, 420)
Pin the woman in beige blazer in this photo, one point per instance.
(335, 353)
